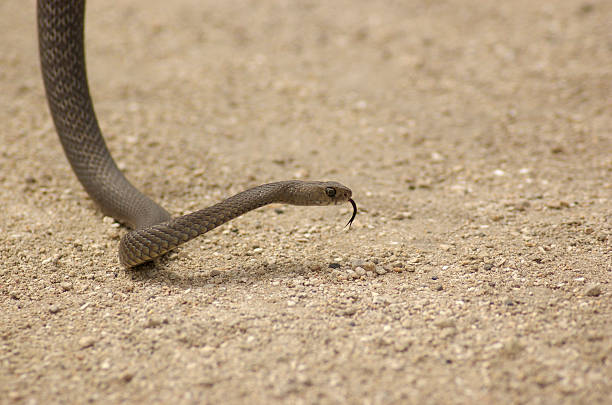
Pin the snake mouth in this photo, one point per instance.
(350, 222)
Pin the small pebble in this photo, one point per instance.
(14, 395)
(357, 263)
(360, 271)
(342, 277)
(403, 215)
(86, 341)
(14, 295)
(593, 290)
(54, 309)
(446, 323)
(436, 157)
(347, 311)
(66, 286)
(153, 323)
(127, 377)
(381, 300)
(380, 270)
(557, 205)
(334, 265)
(369, 266)
(401, 345)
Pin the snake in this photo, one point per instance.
(153, 231)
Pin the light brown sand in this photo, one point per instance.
(476, 136)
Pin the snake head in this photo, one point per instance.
(298, 192)
(335, 193)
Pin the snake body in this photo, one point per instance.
(62, 56)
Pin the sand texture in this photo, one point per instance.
(476, 137)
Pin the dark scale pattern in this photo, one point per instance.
(62, 55)
(143, 245)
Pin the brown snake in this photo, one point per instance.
(62, 56)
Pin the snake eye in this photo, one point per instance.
(330, 191)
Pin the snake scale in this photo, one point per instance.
(154, 232)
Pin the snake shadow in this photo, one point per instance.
(159, 272)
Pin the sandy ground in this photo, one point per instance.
(477, 139)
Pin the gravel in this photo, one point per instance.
(474, 135)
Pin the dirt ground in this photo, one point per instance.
(476, 137)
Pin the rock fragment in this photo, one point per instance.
(593, 290)
(86, 341)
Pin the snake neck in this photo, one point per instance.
(135, 249)
(238, 204)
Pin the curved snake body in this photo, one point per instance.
(62, 56)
